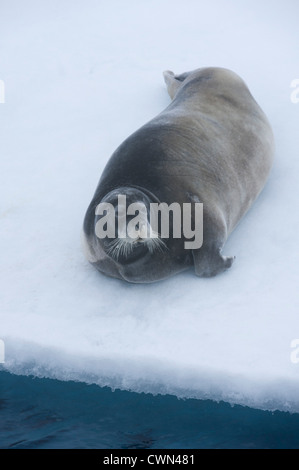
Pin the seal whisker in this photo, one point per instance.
(155, 244)
(124, 247)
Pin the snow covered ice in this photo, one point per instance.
(79, 78)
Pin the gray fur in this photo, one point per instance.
(212, 144)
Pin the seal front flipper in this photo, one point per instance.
(209, 263)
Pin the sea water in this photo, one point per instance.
(49, 414)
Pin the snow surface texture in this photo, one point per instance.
(80, 77)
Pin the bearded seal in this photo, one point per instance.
(212, 145)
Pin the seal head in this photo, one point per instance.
(127, 246)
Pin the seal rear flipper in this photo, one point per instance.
(174, 82)
(210, 263)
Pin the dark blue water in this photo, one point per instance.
(49, 414)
